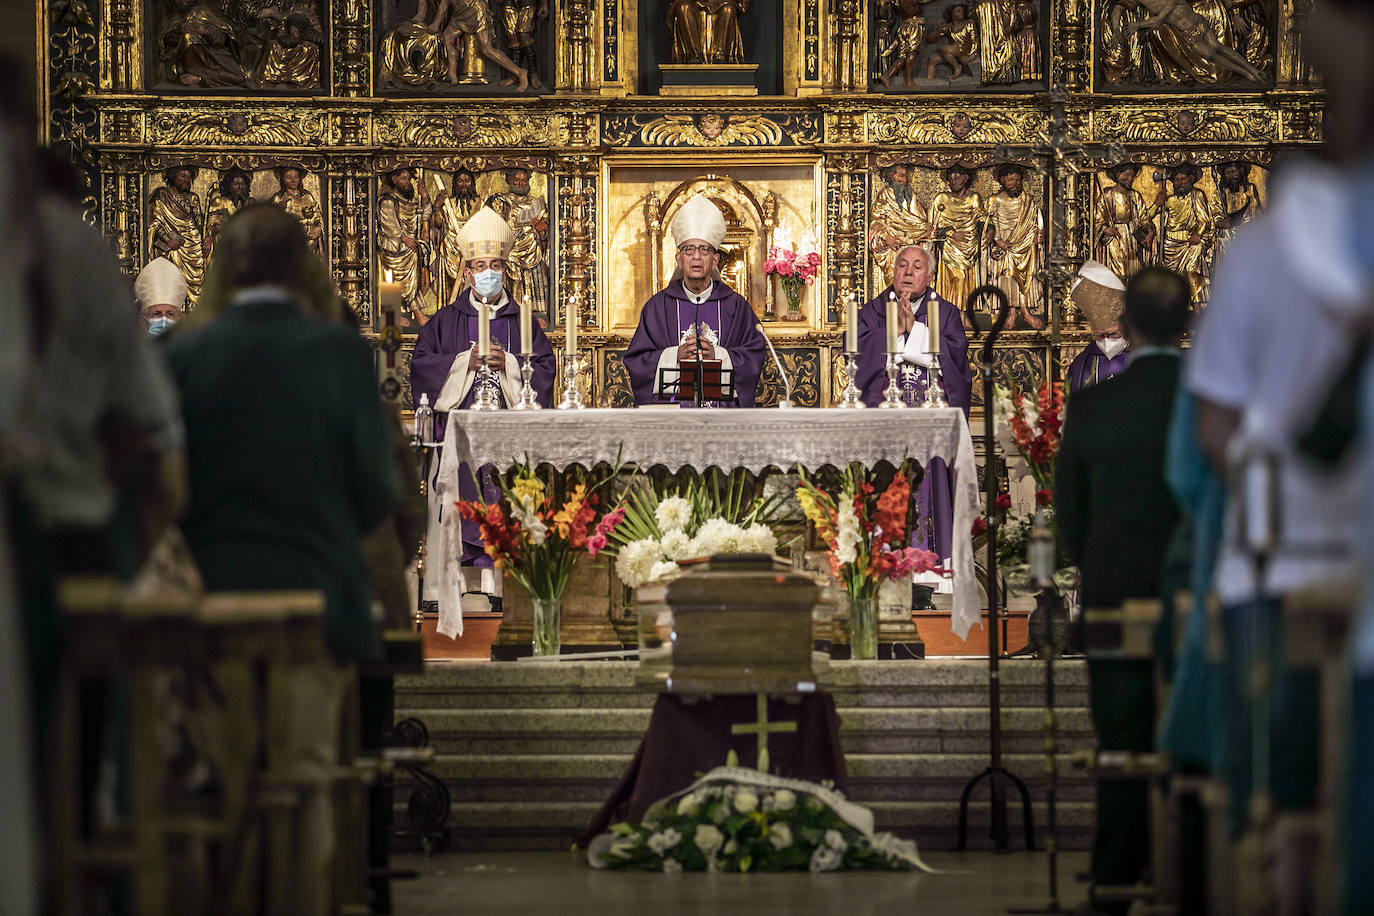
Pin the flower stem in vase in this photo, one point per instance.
(548, 614)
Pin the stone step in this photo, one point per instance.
(592, 777)
(935, 683)
(530, 825)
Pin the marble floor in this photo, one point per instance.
(975, 884)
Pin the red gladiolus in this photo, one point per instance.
(1003, 502)
(892, 509)
(980, 525)
(1044, 497)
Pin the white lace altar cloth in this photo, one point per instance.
(752, 438)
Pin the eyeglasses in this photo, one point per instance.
(696, 249)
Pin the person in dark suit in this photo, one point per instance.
(1115, 518)
(290, 468)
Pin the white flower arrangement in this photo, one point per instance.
(673, 513)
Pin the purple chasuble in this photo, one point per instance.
(452, 331)
(1092, 366)
(669, 313)
(934, 497)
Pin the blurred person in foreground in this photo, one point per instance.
(290, 468)
(1274, 338)
(1115, 520)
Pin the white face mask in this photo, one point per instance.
(159, 326)
(1112, 346)
(487, 283)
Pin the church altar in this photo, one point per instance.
(750, 438)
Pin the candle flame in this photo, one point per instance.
(388, 276)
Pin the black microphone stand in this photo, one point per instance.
(996, 774)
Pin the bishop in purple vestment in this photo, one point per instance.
(696, 314)
(445, 363)
(911, 280)
(1094, 365)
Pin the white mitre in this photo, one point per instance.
(160, 283)
(485, 235)
(699, 219)
(1099, 294)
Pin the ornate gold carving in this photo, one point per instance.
(1186, 124)
(959, 126)
(482, 129)
(711, 129)
(237, 128)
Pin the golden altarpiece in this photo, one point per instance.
(828, 123)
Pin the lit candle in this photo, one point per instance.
(572, 326)
(483, 331)
(933, 322)
(389, 293)
(892, 323)
(851, 324)
(526, 329)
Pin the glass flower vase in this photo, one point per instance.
(793, 293)
(863, 627)
(548, 613)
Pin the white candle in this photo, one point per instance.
(389, 293)
(483, 331)
(933, 322)
(572, 326)
(526, 329)
(892, 323)
(851, 325)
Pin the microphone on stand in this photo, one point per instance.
(696, 335)
(786, 382)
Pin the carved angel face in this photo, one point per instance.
(960, 125)
(711, 126)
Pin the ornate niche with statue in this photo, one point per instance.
(467, 47)
(944, 45)
(1152, 44)
(236, 44)
(712, 47)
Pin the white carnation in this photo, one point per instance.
(664, 840)
(663, 569)
(826, 859)
(784, 800)
(759, 538)
(673, 514)
(708, 839)
(835, 840)
(635, 562)
(780, 835)
(718, 536)
(745, 801)
(677, 545)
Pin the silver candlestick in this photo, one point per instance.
(486, 398)
(935, 392)
(850, 398)
(527, 399)
(892, 395)
(572, 398)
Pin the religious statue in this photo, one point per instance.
(904, 46)
(1125, 223)
(527, 265)
(229, 197)
(1174, 41)
(412, 54)
(403, 239)
(1015, 235)
(1186, 223)
(518, 19)
(1237, 201)
(452, 210)
(998, 53)
(957, 217)
(175, 222)
(706, 31)
(201, 48)
(291, 61)
(1026, 35)
(960, 46)
(898, 220)
(459, 18)
(293, 197)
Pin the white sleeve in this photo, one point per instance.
(914, 347)
(666, 360)
(511, 382)
(457, 384)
